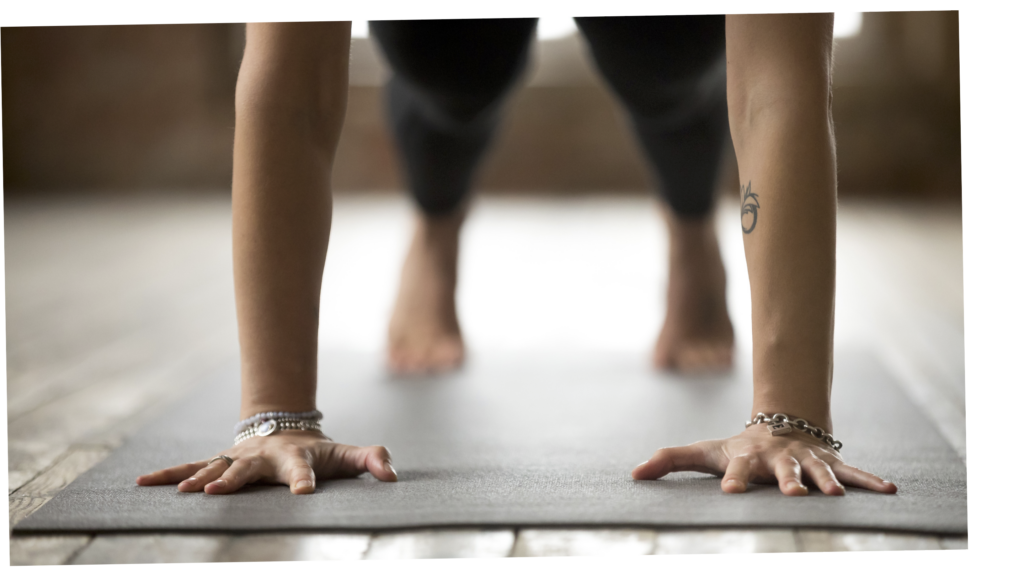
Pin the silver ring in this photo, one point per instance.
(221, 457)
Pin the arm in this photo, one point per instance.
(289, 107)
(780, 117)
(779, 91)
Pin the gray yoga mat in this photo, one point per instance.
(525, 440)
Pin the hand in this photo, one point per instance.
(756, 456)
(292, 457)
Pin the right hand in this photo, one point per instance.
(295, 458)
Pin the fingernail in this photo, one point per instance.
(642, 463)
(842, 489)
(392, 469)
(187, 481)
(734, 483)
(303, 484)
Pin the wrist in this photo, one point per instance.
(797, 394)
(250, 410)
(814, 414)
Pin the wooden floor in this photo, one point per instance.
(116, 306)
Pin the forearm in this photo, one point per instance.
(290, 104)
(780, 115)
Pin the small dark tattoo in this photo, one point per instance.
(750, 206)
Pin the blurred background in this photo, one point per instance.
(117, 148)
(129, 108)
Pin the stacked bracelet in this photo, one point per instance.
(268, 427)
(310, 415)
(780, 424)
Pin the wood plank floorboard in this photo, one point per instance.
(584, 542)
(151, 549)
(455, 543)
(45, 550)
(294, 547)
(838, 541)
(725, 541)
(28, 498)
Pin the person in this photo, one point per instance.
(450, 79)
(290, 105)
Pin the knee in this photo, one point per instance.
(458, 72)
(468, 109)
(451, 110)
(662, 101)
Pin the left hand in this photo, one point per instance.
(755, 455)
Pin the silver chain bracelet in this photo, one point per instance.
(268, 427)
(781, 424)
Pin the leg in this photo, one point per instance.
(450, 80)
(669, 74)
(290, 104)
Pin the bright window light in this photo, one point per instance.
(547, 29)
(553, 28)
(847, 24)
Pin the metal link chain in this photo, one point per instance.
(798, 424)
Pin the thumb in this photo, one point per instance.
(373, 459)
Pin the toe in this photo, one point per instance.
(692, 358)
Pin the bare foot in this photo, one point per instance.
(697, 335)
(424, 336)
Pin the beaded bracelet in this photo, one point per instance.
(311, 415)
(268, 427)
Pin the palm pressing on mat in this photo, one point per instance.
(290, 104)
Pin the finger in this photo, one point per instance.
(301, 477)
(737, 474)
(787, 471)
(373, 459)
(822, 475)
(171, 475)
(856, 477)
(678, 459)
(204, 476)
(240, 473)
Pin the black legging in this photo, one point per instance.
(451, 78)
